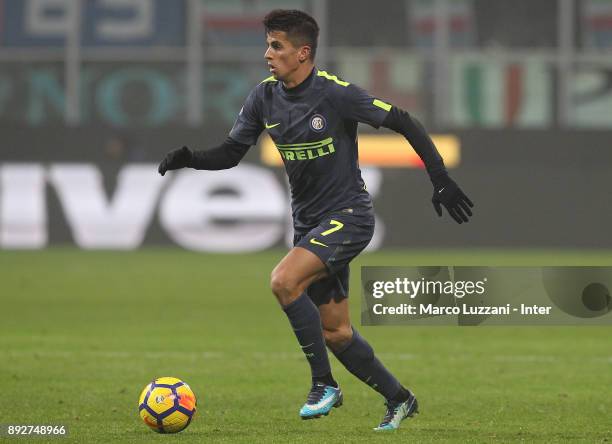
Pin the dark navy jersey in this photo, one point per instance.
(314, 127)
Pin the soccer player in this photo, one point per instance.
(312, 118)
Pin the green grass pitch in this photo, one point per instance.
(83, 332)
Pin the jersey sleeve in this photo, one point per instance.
(249, 124)
(356, 104)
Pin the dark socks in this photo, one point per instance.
(358, 358)
(402, 395)
(327, 379)
(306, 322)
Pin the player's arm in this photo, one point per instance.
(446, 192)
(356, 104)
(227, 155)
(244, 134)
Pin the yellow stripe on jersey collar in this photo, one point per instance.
(269, 79)
(333, 78)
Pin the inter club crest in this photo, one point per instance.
(318, 123)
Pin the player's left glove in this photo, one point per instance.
(448, 193)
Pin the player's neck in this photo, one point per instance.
(298, 76)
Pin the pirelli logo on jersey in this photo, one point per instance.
(306, 151)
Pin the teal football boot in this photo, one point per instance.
(397, 412)
(321, 399)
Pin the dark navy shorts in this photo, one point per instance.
(337, 240)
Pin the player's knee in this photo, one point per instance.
(338, 338)
(284, 288)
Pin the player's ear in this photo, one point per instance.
(304, 54)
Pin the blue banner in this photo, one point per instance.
(132, 23)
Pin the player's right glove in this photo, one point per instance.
(455, 201)
(175, 160)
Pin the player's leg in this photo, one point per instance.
(354, 352)
(294, 273)
(289, 280)
(334, 242)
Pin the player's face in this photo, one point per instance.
(283, 58)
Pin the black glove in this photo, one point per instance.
(448, 193)
(176, 159)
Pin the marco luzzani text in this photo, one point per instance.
(422, 288)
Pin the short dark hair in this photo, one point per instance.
(300, 27)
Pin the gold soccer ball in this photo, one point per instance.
(167, 405)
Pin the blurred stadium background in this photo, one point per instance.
(518, 96)
(93, 93)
